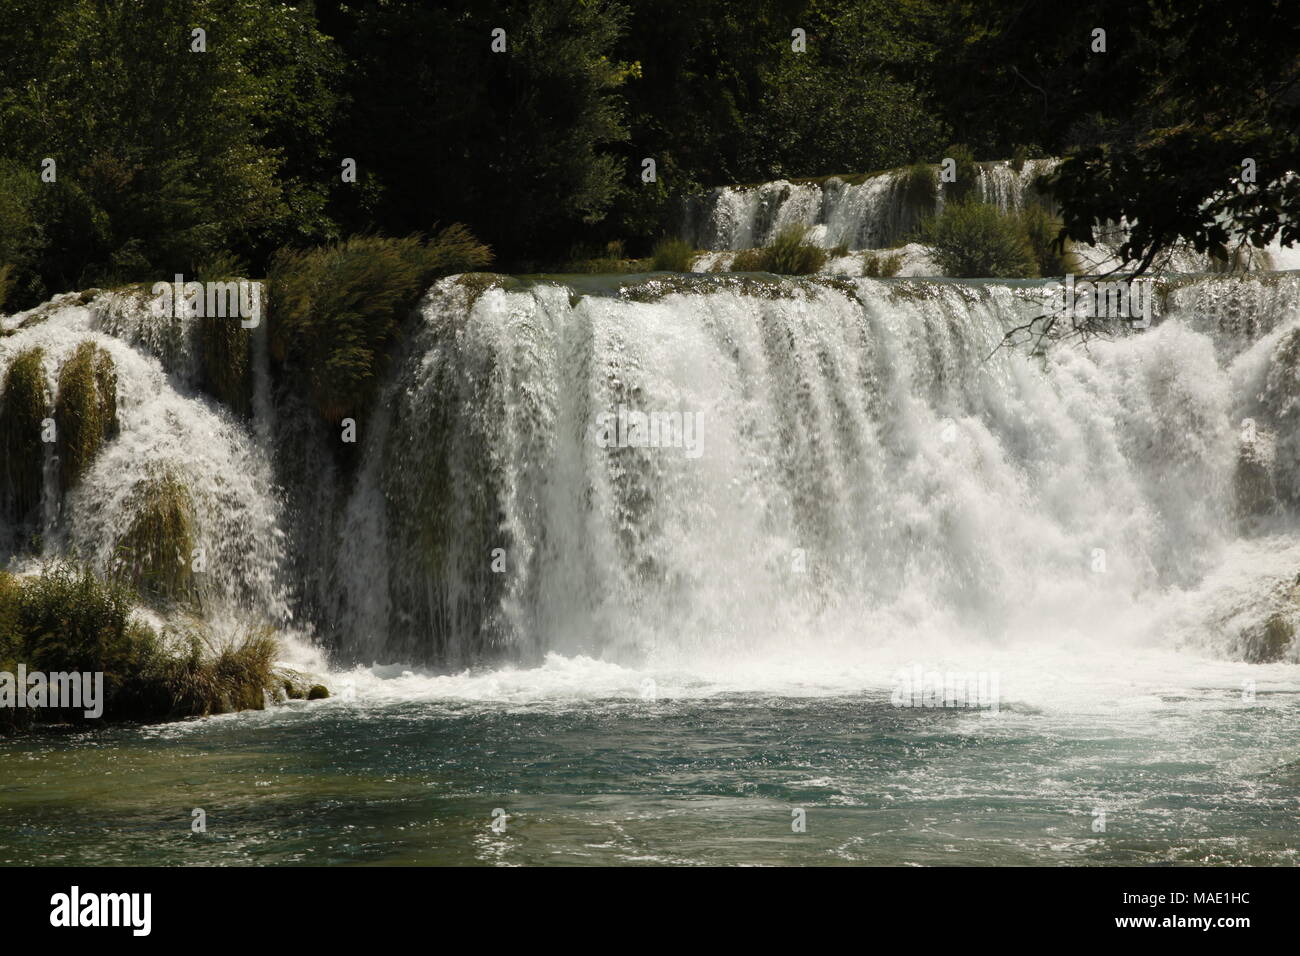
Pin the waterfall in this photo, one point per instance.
(865, 471)
(867, 212)
(166, 426)
(834, 464)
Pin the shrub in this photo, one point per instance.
(919, 187)
(67, 619)
(787, 254)
(968, 173)
(336, 309)
(85, 410)
(882, 265)
(839, 251)
(23, 406)
(154, 554)
(673, 255)
(1041, 230)
(975, 240)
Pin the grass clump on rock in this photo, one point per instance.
(23, 407)
(882, 265)
(673, 255)
(212, 677)
(788, 254)
(336, 309)
(154, 554)
(973, 240)
(85, 410)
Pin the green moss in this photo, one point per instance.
(318, 692)
(154, 554)
(225, 355)
(23, 406)
(85, 410)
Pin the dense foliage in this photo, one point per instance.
(169, 160)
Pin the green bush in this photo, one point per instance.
(22, 409)
(154, 554)
(971, 240)
(919, 186)
(85, 410)
(967, 173)
(673, 255)
(787, 254)
(67, 619)
(1041, 230)
(335, 309)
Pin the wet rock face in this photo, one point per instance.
(1253, 484)
(1270, 641)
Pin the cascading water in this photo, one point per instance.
(166, 427)
(868, 468)
(867, 475)
(871, 213)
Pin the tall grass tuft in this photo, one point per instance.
(210, 676)
(788, 254)
(673, 255)
(882, 265)
(67, 619)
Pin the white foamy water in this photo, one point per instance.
(876, 486)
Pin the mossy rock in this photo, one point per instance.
(318, 692)
(1253, 487)
(225, 350)
(155, 552)
(1269, 643)
(85, 410)
(23, 406)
